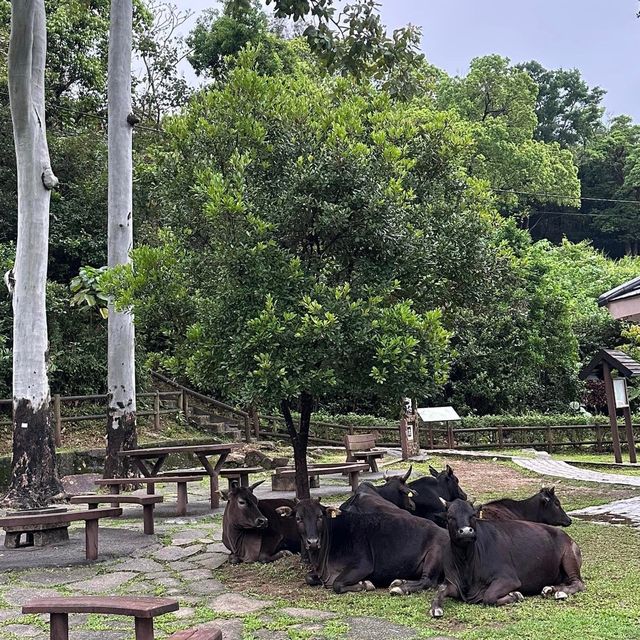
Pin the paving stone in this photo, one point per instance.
(177, 553)
(22, 630)
(266, 634)
(236, 603)
(167, 582)
(204, 587)
(366, 628)
(296, 612)
(81, 634)
(196, 574)
(180, 565)
(9, 614)
(56, 576)
(231, 628)
(108, 582)
(142, 565)
(217, 547)
(212, 560)
(184, 612)
(20, 595)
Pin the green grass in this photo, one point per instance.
(608, 610)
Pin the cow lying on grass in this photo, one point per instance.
(370, 546)
(543, 507)
(253, 531)
(497, 562)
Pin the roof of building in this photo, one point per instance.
(624, 290)
(617, 360)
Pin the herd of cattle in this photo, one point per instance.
(410, 536)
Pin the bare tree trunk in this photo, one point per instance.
(34, 479)
(299, 440)
(121, 421)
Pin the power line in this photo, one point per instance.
(563, 197)
(569, 213)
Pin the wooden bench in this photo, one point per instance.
(284, 477)
(22, 524)
(114, 485)
(142, 609)
(362, 447)
(148, 503)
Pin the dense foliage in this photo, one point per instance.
(331, 220)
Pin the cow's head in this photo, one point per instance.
(448, 485)
(461, 522)
(242, 507)
(396, 491)
(311, 518)
(549, 509)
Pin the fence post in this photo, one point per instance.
(156, 411)
(185, 404)
(430, 435)
(549, 440)
(247, 429)
(181, 401)
(500, 437)
(57, 434)
(450, 442)
(598, 438)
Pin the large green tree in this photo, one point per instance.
(569, 111)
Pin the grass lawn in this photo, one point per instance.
(608, 610)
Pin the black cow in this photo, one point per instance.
(253, 531)
(497, 562)
(394, 490)
(543, 507)
(355, 551)
(429, 491)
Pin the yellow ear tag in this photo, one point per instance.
(410, 494)
(480, 515)
(334, 514)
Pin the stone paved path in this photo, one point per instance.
(541, 462)
(183, 561)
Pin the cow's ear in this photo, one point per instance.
(284, 512)
(333, 512)
(224, 494)
(433, 472)
(449, 470)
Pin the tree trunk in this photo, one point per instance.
(299, 440)
(34, 479)
(121, 421)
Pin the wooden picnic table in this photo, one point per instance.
(149, 461)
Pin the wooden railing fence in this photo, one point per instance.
(495, 437)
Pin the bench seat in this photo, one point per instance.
(90, 518)
(143, 609)
(114, 485)
(147, 502)
(362, 446)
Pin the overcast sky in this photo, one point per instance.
(599, 37)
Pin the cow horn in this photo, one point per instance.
(407, 475)
(433, 472)
(255, 484)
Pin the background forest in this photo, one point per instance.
(308, 222)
